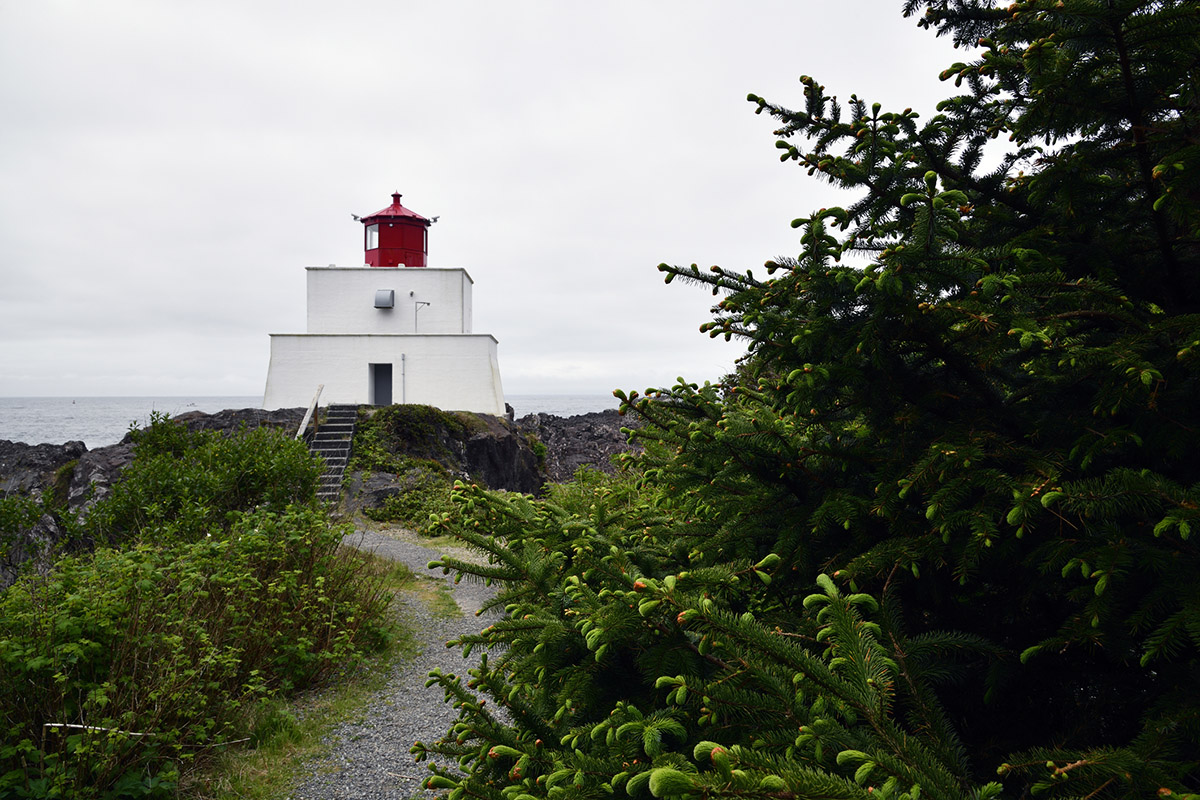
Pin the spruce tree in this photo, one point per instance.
(937, 530)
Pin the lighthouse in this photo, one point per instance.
(396, 237)
(394, 330)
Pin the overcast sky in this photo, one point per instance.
(168, 169)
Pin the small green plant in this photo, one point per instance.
(20, 548)
(539, 449)
(439, 598)
(425, 491)
(56, 495)
(275, 724)
(18, 514)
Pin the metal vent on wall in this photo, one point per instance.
(385, 298)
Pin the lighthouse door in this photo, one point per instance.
(380, 384)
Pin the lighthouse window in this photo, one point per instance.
(372, 237)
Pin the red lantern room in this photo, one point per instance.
(396, 237)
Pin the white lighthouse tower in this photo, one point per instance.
(392, 331)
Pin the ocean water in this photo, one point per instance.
(100, 421)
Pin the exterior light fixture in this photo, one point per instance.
(416, 310)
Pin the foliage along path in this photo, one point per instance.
(369, 756)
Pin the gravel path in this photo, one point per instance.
(370, 758)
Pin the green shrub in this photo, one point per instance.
(56, 494)
(19, 550)
(394, 432)
(121, 667)
(587, 486)
(17, 515)
(539, 449)
(181, 484)
(160, 651)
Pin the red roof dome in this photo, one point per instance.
(393, 211)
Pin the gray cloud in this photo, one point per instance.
(171, 168)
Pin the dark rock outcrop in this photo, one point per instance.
(49, 474)
(500, 457)
(231, 420)
(491, 451)
(31, 469)
(476, 448)
(586, 440)
(94, 474)
(371, 490)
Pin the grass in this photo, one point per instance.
(286, 737)
(440, 599)
(440, 542)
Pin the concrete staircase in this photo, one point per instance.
(332, 442)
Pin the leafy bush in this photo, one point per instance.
(17, 515)
(56, 493)
(121, 667)
(414, 430)
(539, 448)
(182, 484)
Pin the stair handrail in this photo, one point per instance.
(308, 414)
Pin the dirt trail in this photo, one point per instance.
(369, 758)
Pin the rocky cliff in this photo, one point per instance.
(406, 449)
(33, 469)
(515, 456)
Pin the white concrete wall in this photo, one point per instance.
(454, 372)
(342, 300)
